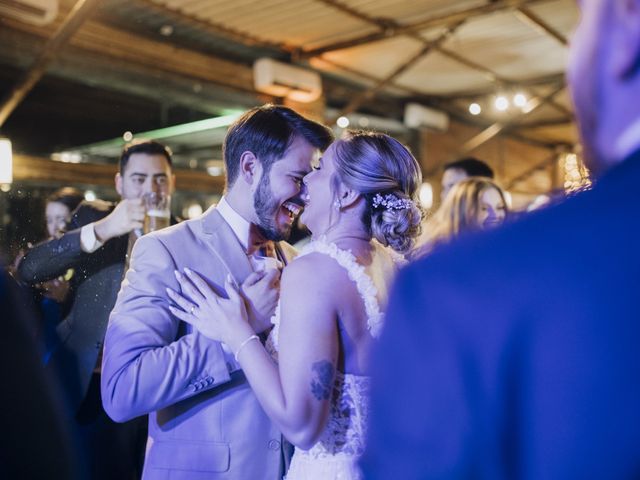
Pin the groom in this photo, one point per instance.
(204, 421)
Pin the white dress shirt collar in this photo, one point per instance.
(238, 224)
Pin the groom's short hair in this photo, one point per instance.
(267, 132)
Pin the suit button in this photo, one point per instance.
(274, 445)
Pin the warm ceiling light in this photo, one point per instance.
(6, 162)
(475, 109)
(342, 122)
(426, 195)
(501, 103)
(519, 100)
(194, 210)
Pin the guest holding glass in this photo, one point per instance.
(96, 244)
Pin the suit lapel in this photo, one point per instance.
(225, 244)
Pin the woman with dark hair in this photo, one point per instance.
(58, 209)
(359, 200)
(54, 293)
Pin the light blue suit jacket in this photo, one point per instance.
(204, 422)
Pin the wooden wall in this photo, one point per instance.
(524, 169)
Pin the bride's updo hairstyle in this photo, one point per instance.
(388, 176)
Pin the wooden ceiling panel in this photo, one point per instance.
(378, 59)
(502, 43)
(562, 15)
(405, 12)
(437, 74)
(303, 23)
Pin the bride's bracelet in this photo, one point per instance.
(244, 344)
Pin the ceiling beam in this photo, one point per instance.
(391, 30)
(158, 55)
(492, 76)
(529, 17)
(81, 11)
(553, 79)
(38, 169)
(218, 29)
(521, 177)
(553, 122)
(371, 92)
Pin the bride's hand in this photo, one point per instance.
(217, 318)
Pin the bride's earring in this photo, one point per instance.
(337, 204)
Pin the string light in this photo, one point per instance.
(576, 174)
(519, 100)
(342, 122)
(501, 103)
(475, 109)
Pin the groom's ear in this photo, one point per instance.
(250, 167)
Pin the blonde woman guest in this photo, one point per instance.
(474, 204)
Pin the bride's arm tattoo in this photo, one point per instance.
(322, 384)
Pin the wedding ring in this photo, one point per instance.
(193, 307)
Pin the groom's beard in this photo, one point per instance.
(267, 209)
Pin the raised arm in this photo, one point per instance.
(147, 365)
(296, 394)
(51, 259)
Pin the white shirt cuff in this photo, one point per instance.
(88, 241)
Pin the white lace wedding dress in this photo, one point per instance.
(336, 454)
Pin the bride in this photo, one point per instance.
(359, 199)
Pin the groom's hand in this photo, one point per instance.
(261, 291)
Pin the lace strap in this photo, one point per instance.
(357, 273)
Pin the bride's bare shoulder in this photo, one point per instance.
(314, 267)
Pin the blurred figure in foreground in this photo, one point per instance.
(37, 441)
(514, 354)
(458, 170)
(474, 204)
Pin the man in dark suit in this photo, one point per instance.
(96, 244)
(515, 354)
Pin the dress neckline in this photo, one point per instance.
(358, 274)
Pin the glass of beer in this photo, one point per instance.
(157, 211)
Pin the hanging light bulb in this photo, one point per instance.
(501, 103)
(519, 100)
(426, 195)
(342, 122)
(475, 109)
(6, 162)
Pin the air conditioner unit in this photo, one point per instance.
(419, 116)
(36, 12)
(283, 80)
